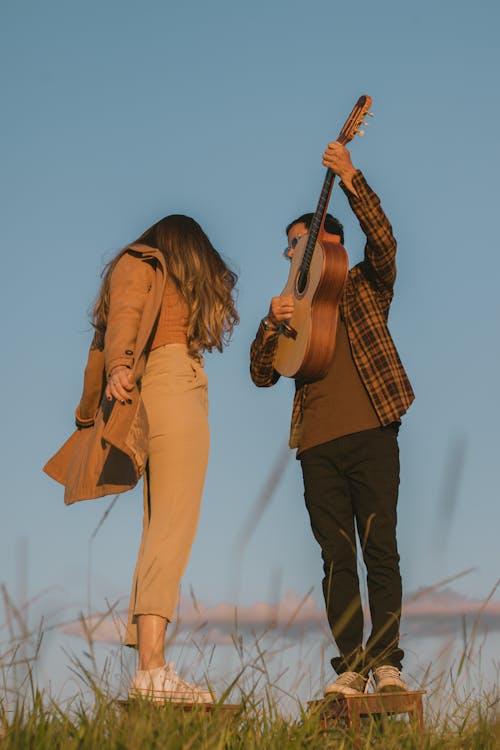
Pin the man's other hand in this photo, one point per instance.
(281, 309)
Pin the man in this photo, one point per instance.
(345, 429)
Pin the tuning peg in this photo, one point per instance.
(361, 133)
(370, 114)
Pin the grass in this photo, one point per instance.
(44, 724)
(458, 716)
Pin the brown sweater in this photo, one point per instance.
(338, 404)
(173, 319)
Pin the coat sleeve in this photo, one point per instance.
(379, 264)
(262, 354)
(129, 285)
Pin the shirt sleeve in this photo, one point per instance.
(262, 354)
(379, 264)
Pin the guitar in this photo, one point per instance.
(316, 280)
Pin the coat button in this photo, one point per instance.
(129, 352)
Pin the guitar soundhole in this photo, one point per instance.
(301, 282)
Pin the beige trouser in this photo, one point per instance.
(175, 394)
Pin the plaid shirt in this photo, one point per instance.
(365, 309)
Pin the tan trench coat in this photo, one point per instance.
(107, 453)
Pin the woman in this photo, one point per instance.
(164, 300)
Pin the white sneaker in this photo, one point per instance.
(348, 683)
(164, 685)
(388, 680)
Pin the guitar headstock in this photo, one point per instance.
(355, 120)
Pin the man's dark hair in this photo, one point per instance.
(332, 225)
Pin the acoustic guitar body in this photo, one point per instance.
(307, 343)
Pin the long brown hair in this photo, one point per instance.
(205, 281)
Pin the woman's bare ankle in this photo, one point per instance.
(152, 630)
(152, 663)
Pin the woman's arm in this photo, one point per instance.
(129, 284)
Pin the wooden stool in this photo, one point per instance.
(205, 708)
(348, 709)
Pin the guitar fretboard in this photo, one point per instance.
(317, 221)
(346, 134)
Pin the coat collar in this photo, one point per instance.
(147, 252)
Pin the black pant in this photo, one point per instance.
(355, 479)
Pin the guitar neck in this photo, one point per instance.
(317, 220)
(350, 128)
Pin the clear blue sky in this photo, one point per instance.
(117, 113)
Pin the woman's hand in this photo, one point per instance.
(119, 384)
